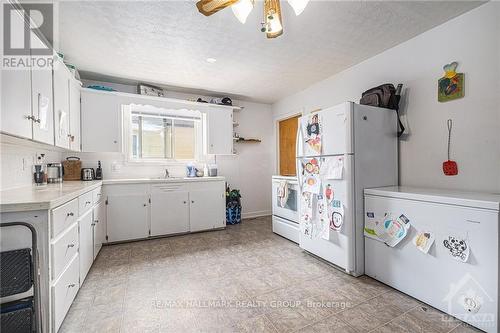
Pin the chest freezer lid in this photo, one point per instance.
(450, 197)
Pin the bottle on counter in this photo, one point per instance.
(98, 171)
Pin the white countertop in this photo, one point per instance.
(43, 197)
(52, 195)
(162, 180)
(452, 197)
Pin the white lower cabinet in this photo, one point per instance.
(142, 211)
(64, 248)
(206, 210)
(99, 227)
(127, 212)
(86, 229)
(63, 292)
(169, 211)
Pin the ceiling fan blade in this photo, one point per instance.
(209, 7)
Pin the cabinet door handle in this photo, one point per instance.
(93, 224)
(192, 201)
(145, 205)
(70, 214)
(71, 285)
(87, 202)
(185, 202)
(71, 245)
(96, 221)
(30, 117)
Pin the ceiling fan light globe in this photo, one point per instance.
(242, 9)
(298, 5)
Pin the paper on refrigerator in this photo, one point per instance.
(311, 181)
(332, 167)
(312, 131)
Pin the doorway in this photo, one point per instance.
(287, 130)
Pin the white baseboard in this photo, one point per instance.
(251, 215)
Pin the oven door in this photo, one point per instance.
(288, 210)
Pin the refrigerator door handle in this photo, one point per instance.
(297, 160)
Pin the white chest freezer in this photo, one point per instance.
(459, 273)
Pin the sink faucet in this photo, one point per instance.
(167, 174)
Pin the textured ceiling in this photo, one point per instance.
(167, 42)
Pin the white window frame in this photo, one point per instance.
(169, 113)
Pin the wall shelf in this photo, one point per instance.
(247, 140)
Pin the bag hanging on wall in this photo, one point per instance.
(384, 96)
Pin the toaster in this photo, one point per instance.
(88, 174)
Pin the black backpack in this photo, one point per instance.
(384, 96)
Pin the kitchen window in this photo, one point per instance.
(161, 135)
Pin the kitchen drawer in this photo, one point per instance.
(85, 203)
(169, 187)
(64, 216)
(63, 249)
(64, 291)
(97, 195)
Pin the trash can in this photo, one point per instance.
(233, 206)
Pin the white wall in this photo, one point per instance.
(250, 170)
(473, 40)
(17, 157)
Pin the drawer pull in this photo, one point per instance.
(71, 285)
(71, 245)
(70, 214)
(87, 203)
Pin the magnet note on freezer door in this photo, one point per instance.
(424, 240)
(457, 247)
(393, 230)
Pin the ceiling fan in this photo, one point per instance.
(271, 24)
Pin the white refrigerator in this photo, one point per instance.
(341, 151)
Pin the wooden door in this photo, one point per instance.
(287, 141)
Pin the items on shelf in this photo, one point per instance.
(100, 87)
(150, 90)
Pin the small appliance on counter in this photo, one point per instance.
(88, 174)
(54, 173)
(212, 170)
(39, 171)
(72, 168)
(98, 171)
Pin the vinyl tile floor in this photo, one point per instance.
(241, 279)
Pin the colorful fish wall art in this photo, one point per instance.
(451, 85)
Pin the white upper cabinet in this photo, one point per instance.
(101, 122)
(219, 130)
(74, 115)
(61, 104)
(16, 95)
(16, 103)
(42, 100)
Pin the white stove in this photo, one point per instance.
(286, 207)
